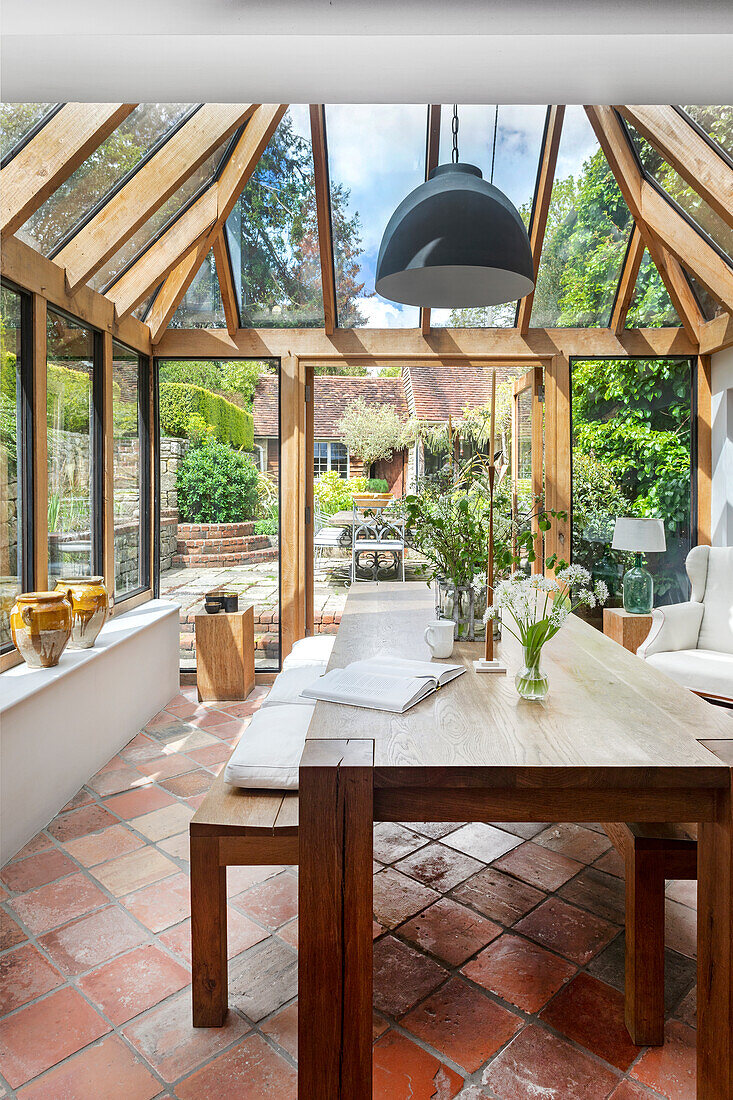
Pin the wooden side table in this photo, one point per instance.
(626, 629)
(225, 655)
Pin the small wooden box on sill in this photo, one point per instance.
(225, 655)
(626, 629)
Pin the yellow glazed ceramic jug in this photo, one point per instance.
(90, 604)
(40, 623)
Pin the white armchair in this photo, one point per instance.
(693, 642)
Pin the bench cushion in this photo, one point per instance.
(268, 755)
(310, 651)
(290, 682)
(699, 670)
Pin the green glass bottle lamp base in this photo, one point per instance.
(638, 587)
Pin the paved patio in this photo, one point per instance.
(498, 952)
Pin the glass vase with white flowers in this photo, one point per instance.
(535, 609)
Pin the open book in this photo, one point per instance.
(382, 683)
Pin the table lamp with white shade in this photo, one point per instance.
(641, 536)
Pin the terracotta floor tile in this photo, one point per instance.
(135, 870)
(520, 972)
(99, 847)
(539, 866)
(263, 979)
(134, 803)
(209, 718)
(403, 1070)
(162, 721)
(499, 897)
(571, 932)
(574, 841)
(462, 1024)
(591, 1013)
(212, 754)
(162, 904)
(679, 971)
(450, 931)
(397, 897)
(283, 1028)
(684, 891)
(272, 902)
(402, 976)
(42, 1034)
(481, 841)
(526, 829)
(38, 843)
(129, 984)
(25, 975)
(598, 891)
(57, 902)
(680, 928)
(176, 846)
(163, 767)
(187, 739)
(227, 731)
(115, 780)
(89, 819)
(81, 798)
(627, 1090)
(379, 1026)
(91, 940)
(141, 748)
(393, 841)
(184, 708)
(167, 1039)
(190, 783)
(163, 823)
(36, 870)
(242, 933)
(440, 867)
(195, 801)
(241, 710)
(687, 1010)
(539, 1064)
(670, 1070)
(105, 1070)
(252, 1069)
(10, 932)
(289, 933)
(612, 863)
(242, 878)
(433, 829)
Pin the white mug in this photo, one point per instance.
(439, 636)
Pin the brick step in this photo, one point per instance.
(241, 557)
(218, 546)
(215, 530)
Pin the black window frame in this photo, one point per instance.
(147, 490)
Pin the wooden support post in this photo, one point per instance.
(335, 904)
(108, 443)
(292, 485)
(645, 947)
(208, 933)
(40, 446)
(309, 504)
(704, 472)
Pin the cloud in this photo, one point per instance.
(380, 313)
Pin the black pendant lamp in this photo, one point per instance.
(455, 241)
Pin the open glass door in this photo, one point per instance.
(528, 458)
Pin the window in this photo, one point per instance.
(202, 306)
(17, 121)
(130, 470)
(651, 306)
(71, 440)
(15, 562)
(330, 455)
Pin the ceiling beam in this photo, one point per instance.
(627, 281)
(658, 220)
(678, 288)
(146, 191)
(541, 206)
(49, 158)
(688, 153)
(224, 274)
(233, 180)
(716, 334)
(323, 215)
(432, 155)
(152, 266)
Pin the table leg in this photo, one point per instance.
(645, 948)
(715, 955)
(209, 975)
(335, 920)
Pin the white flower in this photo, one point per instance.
(547, 584)
(586, 596)
(601, 591)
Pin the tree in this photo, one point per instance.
(371, 431)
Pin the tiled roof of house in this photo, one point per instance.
(440, 390)
(331, 394)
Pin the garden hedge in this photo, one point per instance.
(179, 401)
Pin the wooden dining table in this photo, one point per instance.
(615, 740)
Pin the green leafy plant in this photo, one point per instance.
(217, 485)
(371, 431)
(332, 493)
(376, 485)
(180, 401)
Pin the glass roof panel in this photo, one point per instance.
(158, 222)
(376, 157)
(100, 173)
(272, 234)
(16, 120)
(651, 306)
(518, 145)
(709, 306)
(673, 185)
(587, 233)
(717, 122)
(202, 306)
(141, 310)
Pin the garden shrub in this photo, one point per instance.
(332, 493)
(376, 485)
(217, 485)
(72, 390)
(204, 373)
(179, 402)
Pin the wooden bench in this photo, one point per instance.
(652, 853)
(232, 827)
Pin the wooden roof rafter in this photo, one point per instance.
(319, 146)
(52, 156)
(150, 187)
(627, 280)
(225, 275)
(432, 156)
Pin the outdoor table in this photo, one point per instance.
(614, 741)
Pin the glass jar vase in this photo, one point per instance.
(531, 682)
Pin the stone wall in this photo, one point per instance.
(172, 453)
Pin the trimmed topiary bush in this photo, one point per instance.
(217, 485)
(179, 402)
(376, 485)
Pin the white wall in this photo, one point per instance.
(722, 415)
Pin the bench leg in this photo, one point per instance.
(645, 949)
(208, 933)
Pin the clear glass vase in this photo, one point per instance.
(530, 681)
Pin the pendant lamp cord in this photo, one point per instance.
(454, 128)
(493, 147)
